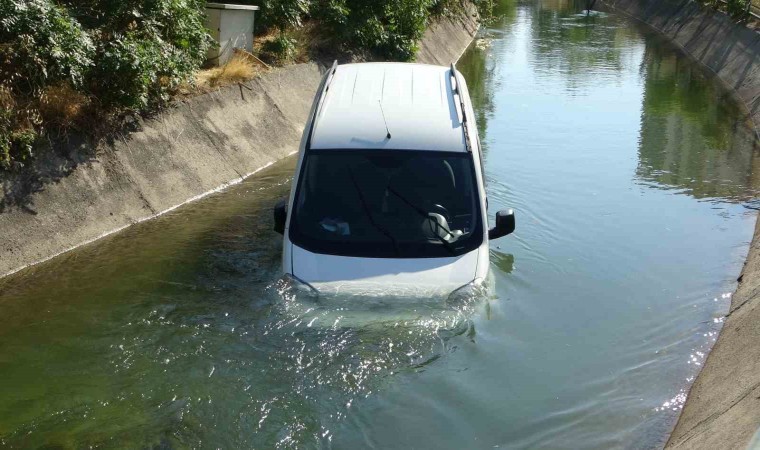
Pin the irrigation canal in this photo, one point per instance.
(632, 177)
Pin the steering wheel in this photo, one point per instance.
(440, 209)
(440, 229)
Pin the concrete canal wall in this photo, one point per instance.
(195, 148)
(722, 410)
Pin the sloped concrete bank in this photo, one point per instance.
(722, 410)
(198, 146)
(446, 40)
(191, 150)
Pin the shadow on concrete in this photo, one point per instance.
(55, 158)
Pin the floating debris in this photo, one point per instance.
(483, 43)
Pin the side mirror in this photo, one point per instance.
(280, 215)
(505, 224)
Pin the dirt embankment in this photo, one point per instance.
(197, 147)
(723, 406)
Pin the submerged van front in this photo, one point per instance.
(388, 193)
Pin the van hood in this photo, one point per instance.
(409, 277)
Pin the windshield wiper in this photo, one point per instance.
(367, 211)
(425, 215)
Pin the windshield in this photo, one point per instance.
(393, 204)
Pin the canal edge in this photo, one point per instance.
(722, 408)
(212, 141)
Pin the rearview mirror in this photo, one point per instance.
(505, 224)
(280, 215)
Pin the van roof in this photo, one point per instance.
(418, 102)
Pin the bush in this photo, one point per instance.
(133, 53)
(16, 143)
(18, 152)
(41, 44)
(279, 50)
(63, 60)
(447, 8)
(63, 108)
(145, 52)
(739, 9)
(390, 29)
(332, 13)
(109, 55)
(282, 14)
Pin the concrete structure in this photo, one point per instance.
(445, 40)
(722, 410)
(188, 151)
(231, 27)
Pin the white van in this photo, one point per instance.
(388, 194)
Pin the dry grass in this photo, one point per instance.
(238, 69)
(17, 114)
(310, 38)
(62, 107)
(6, 99)
(260, 39)
(243, 66)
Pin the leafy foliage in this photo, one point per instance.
(283, 13)
(279, 50)
(123, 54)
(738, 9)
(40, 44)
(389, 29)
(448, 8)
(146, 48)
(62, 61)
(15, 142)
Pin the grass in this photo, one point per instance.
(62, 107)
(6, 101)
(243, 66)
(309, 41)
(16, 116)
(310, 38)
(238, 69)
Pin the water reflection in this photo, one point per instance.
(581, 48)
(174, 333)
(478, 69)
(690, 141)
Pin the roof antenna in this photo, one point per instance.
(387, 136)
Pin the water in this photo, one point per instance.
(632, 178)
